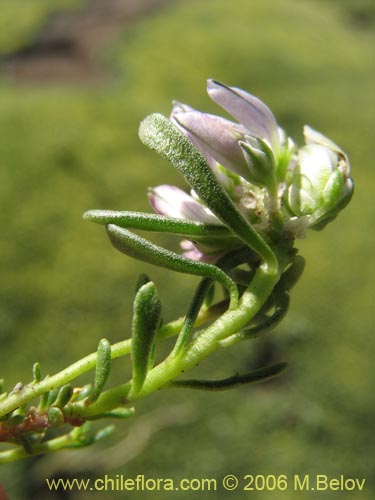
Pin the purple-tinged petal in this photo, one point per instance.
(247, 109)
(174, 202)
(179, 107)
(216, 136)
(192, 252)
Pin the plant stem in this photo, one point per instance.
(19, 452)
(207, 342)
(34, 390)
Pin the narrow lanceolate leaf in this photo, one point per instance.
(103, 433)
(103, 368)
(146, 322)
(192, 315)
(37, 375)
(253, 377)
(293, 273)
(120, 413)
(269, 323)
(157, 223)
(52, 395)
(160, 135)
(142, 249)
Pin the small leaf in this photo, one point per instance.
(27, 443)
(119, 413)
(294, 272)
(52, 395)
(142, 280)
(36, 373)
(55, 416)
(146, 322)
(253, 377)
(103, 368)
(82, 436)
(269, 323)
(64, 396)
(43, 401)
(103, 433)
(191, 315)
(83, 393)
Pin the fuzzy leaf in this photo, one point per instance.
(253, 377)
(158, 223)
(103, 368)
(146, 322)
(142, 249)
(64, 395)
(160, 135)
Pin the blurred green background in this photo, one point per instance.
(69, 143)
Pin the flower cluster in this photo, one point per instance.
(272, 183)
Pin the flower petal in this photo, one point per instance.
(216, 136)
(314, 137)
(192, 252)
(247, 109)
(174, 202)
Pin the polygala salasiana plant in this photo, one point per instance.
(253, 192)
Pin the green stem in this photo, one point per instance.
(207, 342)
(19, 452)
(34, 390)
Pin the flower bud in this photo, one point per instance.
(254, 115)
(262, 183)
(260, 161)
(214, 135)
(320, 185)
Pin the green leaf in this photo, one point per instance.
(291, 276)
(52, 395)
(64, 396)
(142, 280)
(36, 373)
(55, 416)
(142, 249)
(253, 377)
(103, 433)
(146, 322)
(160, 135)
(191, 315)
(279, 298)
(158, 223)
(81, 436)
(118, 413)
(282, 300)
(103, 368)
(83, 393)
